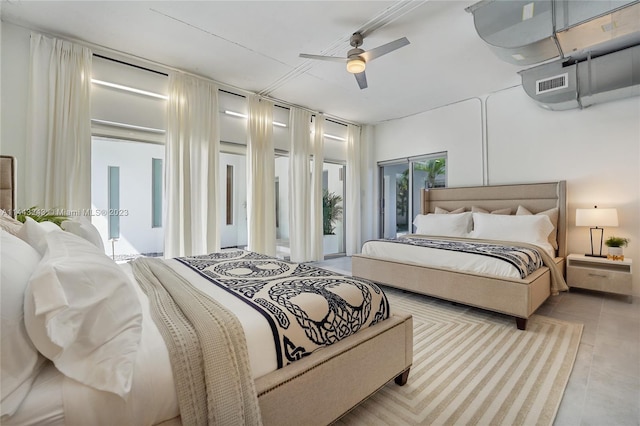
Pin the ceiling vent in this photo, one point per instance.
(550, 84)
(525, 32)
(561, 85)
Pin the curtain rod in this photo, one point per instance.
(130, 65)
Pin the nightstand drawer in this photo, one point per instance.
(599, 279)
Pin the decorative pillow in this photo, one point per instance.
(9, 224)
(82, 312)
(33, 233)
(82, 227)
(439, 210)
(553, 217)
(525, 229)
(20, 362)
(445, 225)
(475, 209)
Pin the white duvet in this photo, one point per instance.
(426, 256)
(57, 400)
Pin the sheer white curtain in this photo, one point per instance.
(191, 168)
(368, 175)
(59, 125)
(315, 231)
(352, 208)
(300, 224)
(261, 203)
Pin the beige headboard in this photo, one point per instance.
(8, 184)
(535, 197)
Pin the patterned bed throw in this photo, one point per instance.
(306, 307)
(525, 260)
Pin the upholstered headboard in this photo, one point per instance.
(8, 184)
(535, 197)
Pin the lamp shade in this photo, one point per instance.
(356, 66)
(596, 217)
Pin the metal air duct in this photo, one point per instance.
(562, 85)
(525, 32)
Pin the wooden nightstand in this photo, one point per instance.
(601, 274)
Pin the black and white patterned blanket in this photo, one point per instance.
(306, 307)
(525, 260)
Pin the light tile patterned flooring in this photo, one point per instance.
(604, 387)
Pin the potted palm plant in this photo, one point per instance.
(615, 245)
(331, 213)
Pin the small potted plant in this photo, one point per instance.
(615, 245)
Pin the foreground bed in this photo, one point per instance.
(81, 344)
(519, 297)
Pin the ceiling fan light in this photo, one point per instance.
(356, 66)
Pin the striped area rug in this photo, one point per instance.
(472, 367)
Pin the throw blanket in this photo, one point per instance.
(525, 260)
(206, 346)
(306, 307)
(557, 279)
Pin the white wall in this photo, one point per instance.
(456, 129)
(235, 234)
(596, 150)
(134, 160)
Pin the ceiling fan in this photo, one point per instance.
(358, 58)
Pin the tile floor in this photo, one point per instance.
(604, 387)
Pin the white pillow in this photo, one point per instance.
(9, 224)
(33, 233)
(553, 217)
(82, 227)
(20, 362)
(82, 312)
(445, 225)
(506, 210)
(525, 229)
(440, 210)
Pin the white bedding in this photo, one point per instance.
(57, 400)
(426, 256)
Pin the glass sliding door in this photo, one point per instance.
(333, 190)
(283, 249)
(233, 200)
(401, 183)
(126, 196)
(395, 193)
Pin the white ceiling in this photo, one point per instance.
(254, 45)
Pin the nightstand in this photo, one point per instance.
(601, 274)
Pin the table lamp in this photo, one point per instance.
(596, 219)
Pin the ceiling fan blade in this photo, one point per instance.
(324, 58)
(376, 52)
(361, 78)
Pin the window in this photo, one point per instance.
(114, 202)
(156, 192)
(229, 197)
(401, 182)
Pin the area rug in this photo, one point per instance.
(473, 367)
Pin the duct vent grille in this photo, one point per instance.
(552, 83)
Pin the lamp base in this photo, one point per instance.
(595, 255)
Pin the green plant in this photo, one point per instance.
(41, 215)
(617, 241)
(434, 168)
(331, 211)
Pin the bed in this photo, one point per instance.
(516, 296)
(147, 381)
